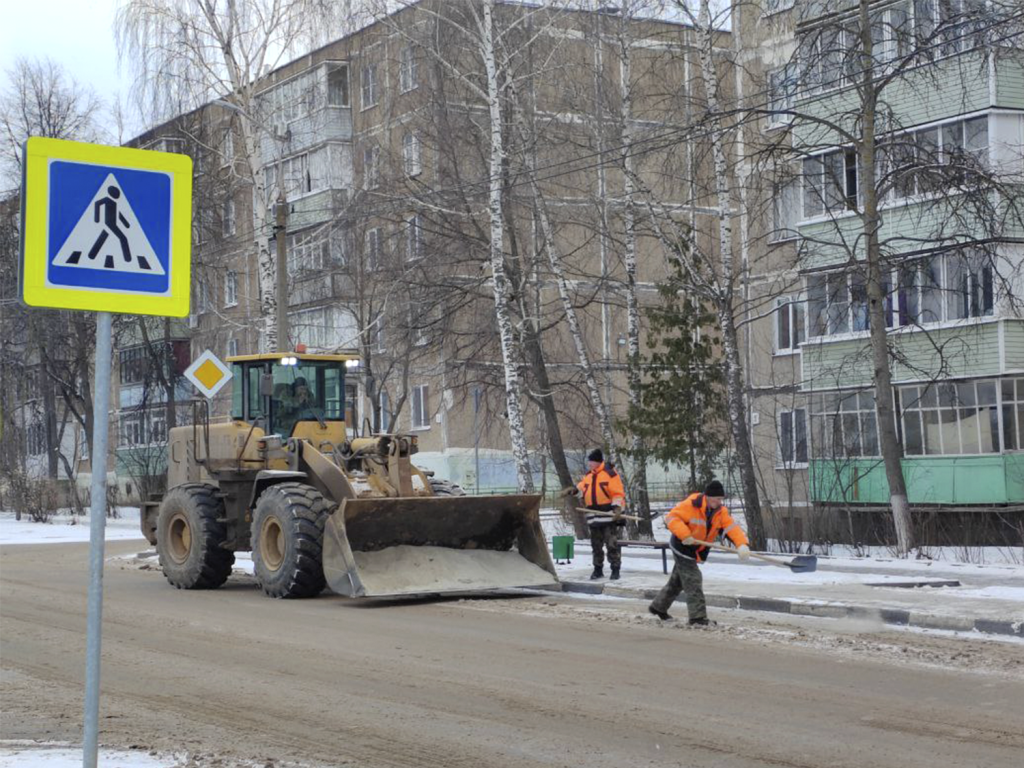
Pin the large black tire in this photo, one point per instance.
(287, 540)
(189, 538)
(445, 487)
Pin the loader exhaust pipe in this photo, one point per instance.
(391, 547)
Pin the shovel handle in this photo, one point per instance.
(624, 517)
(723, 548)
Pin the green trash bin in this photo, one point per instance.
(562, 548)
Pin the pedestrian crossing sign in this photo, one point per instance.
(106, 229)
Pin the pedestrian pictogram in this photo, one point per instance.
(109, 236)
(208, 374)
(106, 228)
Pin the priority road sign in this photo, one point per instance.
(208, 373)
(106, 228)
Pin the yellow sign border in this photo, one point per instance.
(35, 225)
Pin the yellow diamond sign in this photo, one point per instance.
(208, 374)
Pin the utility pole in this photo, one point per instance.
(281, 231)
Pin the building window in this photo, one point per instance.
(793, 437)
(337, 85)
(35, 439)
(133, 429)
(789, 324)
(411, 154)
(407, 69)
(232, 347)
(313, 252)
(934, 289)
(782, 83)
(844, 425)
(131, 368)
(777, 6)
(371, 168)
(373, 253)
(950, 418)
(321, 328)
(785, 211)
(379, 336)
(385, 412)
(227, 148)
(368, 84)
(930, 160)
(413, 238)
(231, 289)
(421, 407)
(228, 218)
(830, 183)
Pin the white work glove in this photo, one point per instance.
(689, 541)
(744, 552)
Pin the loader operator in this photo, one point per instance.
(603, 496)
(698, 518)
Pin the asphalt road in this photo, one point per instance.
(232, 677)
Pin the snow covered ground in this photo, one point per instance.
(26, 754)
(66, 527)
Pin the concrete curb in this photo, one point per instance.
(819, 608)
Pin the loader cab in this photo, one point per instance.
(292, 394)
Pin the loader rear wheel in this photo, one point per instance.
(287, 540)
(446, 488)
(189, 538)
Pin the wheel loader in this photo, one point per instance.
(283, 479)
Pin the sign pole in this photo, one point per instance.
(97, 524)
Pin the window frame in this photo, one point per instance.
(794, 442)
(419, 407)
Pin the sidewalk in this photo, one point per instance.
(950, 596)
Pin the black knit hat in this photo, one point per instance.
(596, 455)
(715, 489)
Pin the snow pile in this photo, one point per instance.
(66, 527)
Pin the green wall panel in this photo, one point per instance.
(969, 480)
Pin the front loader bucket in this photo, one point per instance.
(389, 547)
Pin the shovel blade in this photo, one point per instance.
(804, 564)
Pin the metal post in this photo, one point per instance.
(282, 273)
(476, 435)
(97, 524)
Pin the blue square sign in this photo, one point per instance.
(109, 228)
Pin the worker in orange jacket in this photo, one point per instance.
(604, 497)
(699, 518)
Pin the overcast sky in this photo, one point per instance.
(78, 34)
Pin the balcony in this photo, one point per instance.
(962, 349)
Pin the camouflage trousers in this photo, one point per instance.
(605, 536)
(686, 577)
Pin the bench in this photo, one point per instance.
(662, 545)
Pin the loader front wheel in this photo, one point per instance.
(287, 540)
(189, 537)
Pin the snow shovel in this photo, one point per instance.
(624, 517)
(799, 563)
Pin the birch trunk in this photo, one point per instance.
(892, 451)
(638, 448)
(509, 345)
(266, 264)
(724, 292)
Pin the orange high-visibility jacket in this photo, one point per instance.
(690, 518)
(600, 490)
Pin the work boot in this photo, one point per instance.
(598, 573)
(703, 622)
(663, 615)
(615, 573)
